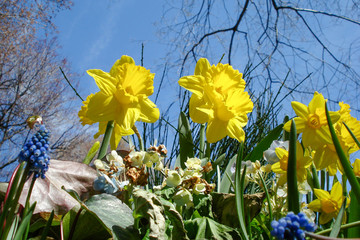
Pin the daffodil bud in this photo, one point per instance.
(183, 197)
(173, 179)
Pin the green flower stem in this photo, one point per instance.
(202, 141)
(355, 185)
(141, 142)
(322, 175)
(315, 176)
(239, 192)
(342, 227)
(267, 197)
(293, 193)
(106, 139)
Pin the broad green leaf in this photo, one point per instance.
(149, 207)
(115, 214)
(207, 228)
(223, 206)
(257, 152)
(354, 215)
(91, 153)
(88, 225)
(185, 140)
(335, 229)
(178, 231)
(202, 203)
(293, 192)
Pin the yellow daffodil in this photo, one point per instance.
(352, 123)
(303, 161)
(328, 204)
(311, 121)
(219, 99)
(326, 156)
(356, 168)
(123, 98)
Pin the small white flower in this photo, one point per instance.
(114, 157)
(199, 188)
(270, 155)
(159, 166)
(173, 179)
(99, 164)
(194, 164)
(183, 197)
(137, 158)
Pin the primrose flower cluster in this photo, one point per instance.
(117, 172)
(36, 152)
(188, 181)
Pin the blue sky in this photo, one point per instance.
(94, 34)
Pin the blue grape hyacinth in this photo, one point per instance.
(36, 152)
(292, 226)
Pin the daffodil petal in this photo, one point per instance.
(193, 83)
(336, 193)
(197, 115)
(234, 127)
(326, 217)
(334, 116)
(102, 129)
(117, 134)
(202, 66)
(124, 59)
(300, 109)
(149, 112)
(317, 101)
(315, 205)
(126, 117)
(321, 194)
(277, 169)
(216, 130)
(101, 107)
(300, 124)
(104, 80)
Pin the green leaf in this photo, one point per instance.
(293, 192)
(24, 225)
(185, 140)
(115, 214)
(257, 152)
(206, 228)
(149, 207)
(178, 231)
(225, 182)
(355, 186)
(91, 153)
(354, 215)
(47, 227)
(352, 135)
(88, 225)
(202, 203)
(336, 227)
